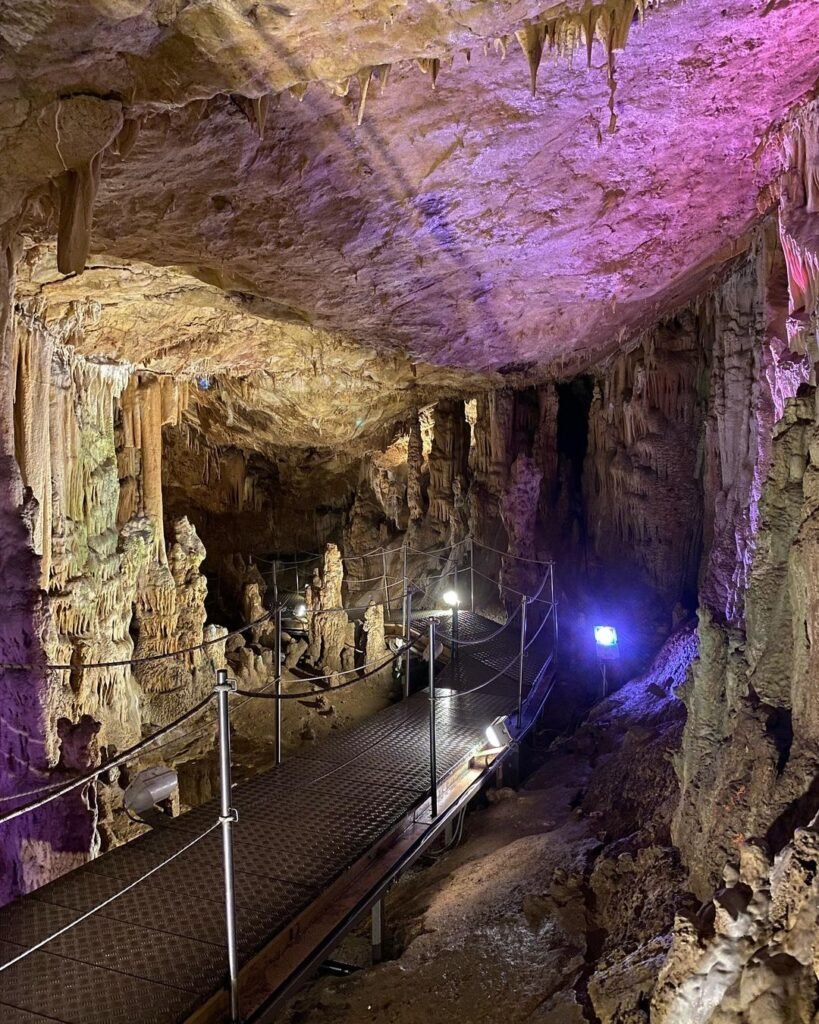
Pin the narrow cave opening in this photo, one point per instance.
(574, 402)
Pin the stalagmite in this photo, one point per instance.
(328, 623)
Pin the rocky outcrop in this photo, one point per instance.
(751, 953)
(103, 591)
(737, 768)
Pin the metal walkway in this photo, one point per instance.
(318, 840)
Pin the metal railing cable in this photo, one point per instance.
(114, 762)
(508, 554)
(249, 694)
(502, 672)
(456, 642)
(373, 553)
(352, 582)
(538, 630)
(437, 551)
(448, 573)
(288, 565)
(145, 658)
(110, 899)
(511, 663)
(513, 590)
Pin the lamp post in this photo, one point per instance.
(453, 600)
(228, 818)
(433, 749)
(605, 637)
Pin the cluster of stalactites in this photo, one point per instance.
(639, 474)
(561, 35)
(147, 404)
(798, 230)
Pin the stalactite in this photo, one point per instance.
(430, 66)
(448, 459)
(415, 459)
(128, 135)
(364, 78)
(531, 39)
(77, 190)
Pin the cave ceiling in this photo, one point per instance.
(328, 276)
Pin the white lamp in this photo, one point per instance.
(150, 787)
(451, 598)
(498, 733)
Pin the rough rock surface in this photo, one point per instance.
(418, 234)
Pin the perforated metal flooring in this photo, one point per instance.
(156, 953)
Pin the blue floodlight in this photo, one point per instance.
(605, 636)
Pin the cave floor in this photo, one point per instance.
(157, 953)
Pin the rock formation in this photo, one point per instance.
(376, 280)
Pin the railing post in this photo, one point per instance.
(405, 578)
(433, 760)
(522, 658)
(228, 817)
(386, 588)
(471, 574)
(279, 684)
(554, 609)
(407, 640)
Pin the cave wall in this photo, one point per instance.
(748, 755)
(87, 577)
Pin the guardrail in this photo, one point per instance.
(225, 689)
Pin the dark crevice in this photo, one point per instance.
(798, 813)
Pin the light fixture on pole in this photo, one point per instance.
(452, 598)
(605, 638)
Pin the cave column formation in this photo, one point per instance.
(83, 498)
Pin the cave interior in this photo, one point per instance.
(300, 302)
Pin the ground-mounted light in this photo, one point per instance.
(300, 611)
(150, 787)
(451, 598)
(498, 733)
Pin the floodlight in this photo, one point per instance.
(451, 598)
(300, 611)
(150, 787)
(498, 733)
(605, 636)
